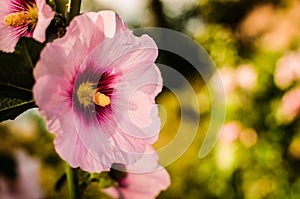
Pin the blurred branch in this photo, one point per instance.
(157, 10)
(73, 9)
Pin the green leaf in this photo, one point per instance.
(16, 78)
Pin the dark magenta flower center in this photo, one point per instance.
(92, 94)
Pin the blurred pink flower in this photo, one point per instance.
(230, 132)
(246, 76)
(96, 87)
(290, 105)
(287, 70)
(228, 76)
(27, 183)
(19, 18)
(144, 180)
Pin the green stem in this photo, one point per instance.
(71, 181)
(73, 9)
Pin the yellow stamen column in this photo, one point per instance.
(87, 95)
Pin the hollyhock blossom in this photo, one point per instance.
(26, 184)
(23, 18)
(143, 180)
(96, 87)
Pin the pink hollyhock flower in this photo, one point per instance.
(23, 18)
(228, 76)
(230, 132)
(143, 180)
(26, 185)
(287, 70)
(96, 88)
(290, 105)
(246, 77)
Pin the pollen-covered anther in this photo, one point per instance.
(21, 18)
(101, 99)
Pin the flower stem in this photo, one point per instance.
(71, 181)
(73, 9)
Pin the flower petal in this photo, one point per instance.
(135, 108)
(123, 52)
(106, 144)
(53, 102)
(8, 39)
(83, 33)
(70, 148)
(45, 15)
(112, 23)
(61, 58)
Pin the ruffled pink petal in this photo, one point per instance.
(55, 59)
(124, 52)
(70, 148)
(139, 121)
(107, 144)
(4, 7)
(88, 28)
(131, 147)
(69, 51)
(112, 23)
(150, 81)
(135, 108)
(83, 34)
(45, 15)
(50, 95)
(8, 40)
(148, 162)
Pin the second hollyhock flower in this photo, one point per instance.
(143, 180)
(96, 87)
(23, 18)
